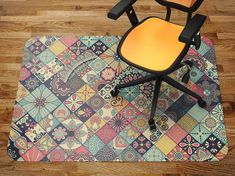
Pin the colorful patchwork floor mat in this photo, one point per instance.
(64, 110)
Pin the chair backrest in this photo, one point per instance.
(186, 3)
(183, 5)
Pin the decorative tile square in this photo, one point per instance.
(140, 122)
(85, 93)
(153, 136)
(165, 144)
(94, 144)
(141, 144)
(57, 47)
(107, 112)
(66, 56)
(187, 122)
(33, 154)
(46, 144)
(34, 64)
(78, 48)
(59, 133)
(164, 102)
(81, 154)
(176, 133)
(77, 134)
(64, 111)
(118, 103)
(130, 93)
(105, 92)
(200, 133)
(118, 122)
(31, 83)
(90, 76)
(211, 93)
(111, 57)
(220, 133)
(49, 70)
(184, 101)
(105, 154)
(49, 40)
(204, 48)
(98, 48)
(84, 112)
(164, 122)
(97, 65)
(178, 154)
(89, 40)
(130, 112)
(22, 92)
(210, 123)
(118, 144)
(49, 123)
(37, 47)
(154, 154)
(109, 41)
(106, 133)
(189, 144)
(142, 103)
(108, 74)
(129, 133)
(69, 40)
(96, 102)
(146, 89)
(213, 144)
(25, 123)
(73, 102)
(40, 102)
(94, 123)
(59, 87)
(129, 154)
(58, 154)
(197, 113)
(46, 56)
(18, 112)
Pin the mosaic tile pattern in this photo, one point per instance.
(64, 112)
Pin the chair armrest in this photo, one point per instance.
(192, 28)
(120, 8)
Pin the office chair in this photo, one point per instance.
(158, 46)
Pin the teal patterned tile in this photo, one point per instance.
(197, 113)
(200, 133)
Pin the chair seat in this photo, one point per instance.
(152, 45)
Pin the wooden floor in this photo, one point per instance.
(22, 19)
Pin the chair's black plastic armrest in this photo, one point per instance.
(120, 8)
(192, 28)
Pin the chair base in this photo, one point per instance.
(158, 80)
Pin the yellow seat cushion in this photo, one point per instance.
(186, 3)
(153, 44)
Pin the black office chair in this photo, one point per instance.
(158, 46)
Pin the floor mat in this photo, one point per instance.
(64, 111)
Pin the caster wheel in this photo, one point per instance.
(114, 92)
(201, 103)
(186, 77)
(152, 125)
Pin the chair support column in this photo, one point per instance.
(157, 87)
